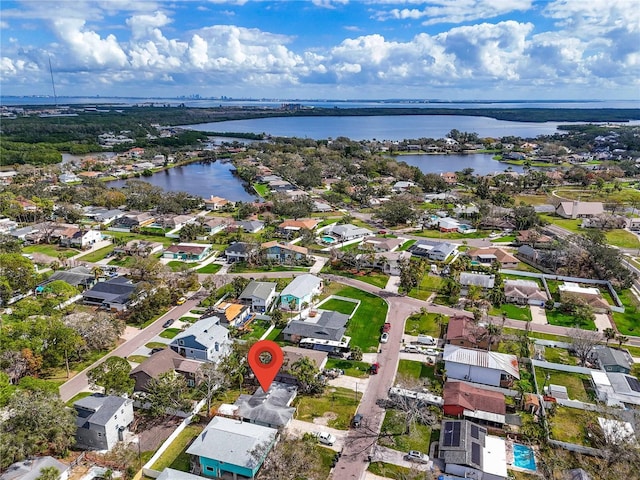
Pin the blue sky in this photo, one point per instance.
(334, 49)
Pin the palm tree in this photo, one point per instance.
(97, 272)
(48, 473)
(609, 334)
(622, 339)
(493, 333)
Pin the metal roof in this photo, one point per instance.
(482, 358)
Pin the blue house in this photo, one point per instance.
(227, 448)
(205, 340)
(300, 290)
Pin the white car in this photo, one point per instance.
(384, 338)
(415, 456)
(431, 351)
(325, 438)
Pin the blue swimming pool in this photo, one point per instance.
(327, 239)
(523, 457)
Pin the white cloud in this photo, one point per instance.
(4, 24)
(145, 25)
(329, 3)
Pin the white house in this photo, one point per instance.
(260, 294)
(86, 238)
(348, 232)
(480, 366)
(301, 290)
(102, 421)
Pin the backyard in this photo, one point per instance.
(558, 317)
(337, 405)
(569, 425)
(336, 305)
(559, 355)
(627, 322)
(174, 456)
(424, 324)
(577, 384)
(393, 433)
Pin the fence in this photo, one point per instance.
(560, 367)
(572, 447)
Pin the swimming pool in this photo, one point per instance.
(327, 239)
(523, 457)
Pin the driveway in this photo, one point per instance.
(602, 322)
(297, 428)
(538, 315)
(352, 383)
(388, 455)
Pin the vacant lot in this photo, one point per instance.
(427, 324)
(569, 425)
(334, 408)
(577, 384)
(512, 311)
(341, 306)
(393, 433)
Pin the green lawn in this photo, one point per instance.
(556, 317)
(572, 225)
(504, 239)
(137, 358)
(424, 324)
(568, 425)
(170, 333)
(274, 334)
(256, 329)
(389, 470)
(415, 370)
(153, 345)
(51, 250)
(98, 255)
(261, 189)
(559, 355)
(211, 268)
(340, 306)
(350, 367)
(512, 311)
(377, 279)
(174, 456)
(364, 327)
(337, 403)
(576, 383)
(406, 245)
(628, 323)
(126, 236)
(177, 265)
(393, 434)
(123, 262)
(622, 239)
(626, 195)
(428, 285)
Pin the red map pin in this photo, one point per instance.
(265, 359)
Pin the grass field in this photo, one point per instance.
(211, 268)
(98, 255)
(423, 324)
(377, 279)
(410, 369)
(393, 434)
(389, 470)
(626, 195)
(628, 323)
(556, 317)
(51, 250)
(350, 367)
(406, 245)
(428, 285)
(337, 404)
(512, 311)
(178, 266)
(568, 425)
(123, 262)
(532, 199)
(136, 358)
(170, 333)
(576, 383)
(261, 189)
(622, 239)
(559, 355)
(364, 327)
(572, 225)
(340, 306)
(174, 456)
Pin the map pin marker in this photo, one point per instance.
(265, 359)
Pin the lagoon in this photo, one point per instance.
(201, 178)
(481, 163)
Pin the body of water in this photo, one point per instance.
(202, 178)
(481, 163)
(391, 127)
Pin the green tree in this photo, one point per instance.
(397, 211)
(48, 473)
(355, 353)
(306, 374)
(36, 423)
(166, 393)
(609, 334)
(17, 273)
(621, 339)
(113, 376)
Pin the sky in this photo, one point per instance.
(323, 49)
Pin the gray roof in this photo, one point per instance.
(74, 276)
(527, 251)
(97, 409)
(456, 442)
(206, 332)
(577, 474)
(301, 285)
(349, 230)
(256, 289)
(478, 279)
(329, 326)
(239, 247)
(612, 356)
(30, 469)
(250, 225)
(171, 474)
(271, 408)
(444, 248)
(117, 289)
(231, 441)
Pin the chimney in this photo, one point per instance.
(574, 209)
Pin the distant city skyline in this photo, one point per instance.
(456, 50)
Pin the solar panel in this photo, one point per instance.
(634, 384)
(448, 434)
(475, 433)
(475, 453)
(456, 433)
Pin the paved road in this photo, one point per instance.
(80, 382)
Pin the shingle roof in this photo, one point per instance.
(30, 469)
(329, 326)
(205, 332)
(482, 358)
(239, 247)
(231, 441)
(117, 289)
(301, 285)
(472, 398)
(164, 361)
(271, 408)
(612, 356)
(74, 276)
(523, 289)
(260, 290)
(103, 406)
(477, 279)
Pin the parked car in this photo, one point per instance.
(416, 456)
(181, 300)
(386, 327)
(168, 323)
(426, 340)
(156, 350)
(411, 349)
(384, 338)
(356, 421)
(373, 369)
(431, 351)
(325, 438)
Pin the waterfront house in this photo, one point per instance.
(205, 340)
(187, 252)
(260, 295)
(228, 448)
(215, 203)
(102, 421)
(300, 291)
(481, 366)
(166, 360)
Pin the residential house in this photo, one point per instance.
(6, 177)
(289, 227)
(432, 249)
(240, 252)
(250, 226)
(293, 354)
(227, 448)
(489, 256)
(402, 186)
(450, 178)
(171, 474)
(589, 295)
(166, 360)
(578, 209)
(381, 244)
(347, 232)
(328, 326)
(283, 252)
(464, 332)
(481, 366)
(481, 280)
(616, 389)
(205, 340)
(187, 252)
(213, 225)
(231, 314)
(215, 203)
(634, 224)
(321, 207)
(387, 262)
(68, 177)
(85, 238)
(115, 294)
(300, 291)
(104, 216)
(102, 421)
(464, 400)
(448, 224)
(7, 225)
(524, 292)
(260, 295)
(26, 205)
(79, 277)
(30, 469)
(132, 220)
(141, 248)
(529, 253)
(533, 238)
(175, 221)
(605, 221)
(271, 409)
(612, 359)
(468, 451)
(466, 211)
